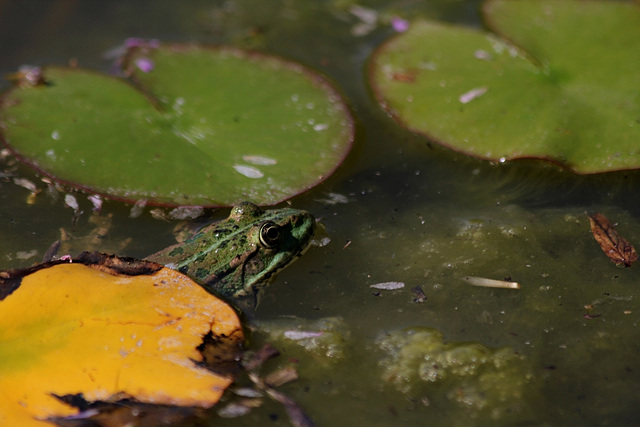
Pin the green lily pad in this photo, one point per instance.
(565, 88)
(199, 126)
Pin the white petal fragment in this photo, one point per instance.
(259, 160)
(96, 201)
(491, 283)
(469, 96)
(388, 286)
(248, 171)
(25, 183)
(137, 208)
(301, 335)
(71, 201)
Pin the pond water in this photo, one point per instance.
(561, 350)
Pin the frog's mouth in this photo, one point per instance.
(290, 261)
(248, 300)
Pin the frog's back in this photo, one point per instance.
(236, 257)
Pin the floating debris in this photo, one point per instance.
(248, 171)
(144, 64)
(420, 296)
(259, 160)
(26, 254)
(25, 183)
(334, 199)
(137, 208)
(469, 96)
(619, 250)
(247, 392)
(388, 286)
(96, 201)
(399, 25)
(27, 76)
(321, 237)
(257, 359)
(491, 283)
(483, 55)
(186, 212)
(71, 201)
(368, 20)
(235, 409)
(297, 416)
(51, 252)
(301, 335)
(281, 377)
(159, 214)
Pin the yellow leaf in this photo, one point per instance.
(71, 328)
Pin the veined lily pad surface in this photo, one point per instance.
(104, 327)
(200, 126)
(556, 80)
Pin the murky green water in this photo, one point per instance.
(414, 213)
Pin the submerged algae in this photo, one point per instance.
(487, 383)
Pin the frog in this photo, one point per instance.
(236, 258)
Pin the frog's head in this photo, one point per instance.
(271, 240)
(237, 257)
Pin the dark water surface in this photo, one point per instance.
(408, 211)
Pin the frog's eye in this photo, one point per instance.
(270, 235)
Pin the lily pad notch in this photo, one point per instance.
(553, 80)
(191, 125)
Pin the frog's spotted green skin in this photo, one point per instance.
(236, 257)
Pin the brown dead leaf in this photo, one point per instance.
(255, 361)
(619, 250)
(281, 377)
(296, 414)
